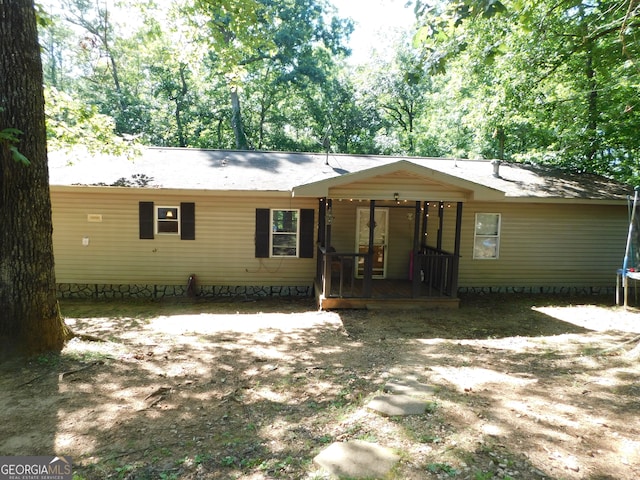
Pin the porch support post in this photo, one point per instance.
(327, 225)
(327, 244)
(456, 252)
(416, 227)
(415, 281)
(368, 261)
(319, 280)
(425, 224)
(440, 223)
(322, 216)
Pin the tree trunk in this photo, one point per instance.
(179, 97)
(592, 109)
(236, 121)
(29, 317)
(499, 133)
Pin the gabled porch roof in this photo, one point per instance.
(409, 180)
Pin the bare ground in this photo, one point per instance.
(527, 388)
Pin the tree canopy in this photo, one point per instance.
(556, 82)
(549, 82)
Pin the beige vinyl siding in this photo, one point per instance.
(223, 252)
(407, 185)
(541, 245)
(343, 228)
(546, 245)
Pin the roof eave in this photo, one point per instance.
(167, 191)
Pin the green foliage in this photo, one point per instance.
(228, 461)
(9, 137)
(48, 359)
(483, 476)
(530, 82)
(17, 156)
(182, 64)
(169, 476)
(543, 82)
(272, 55)
(442, 468)
(124, 470)
(72, 122)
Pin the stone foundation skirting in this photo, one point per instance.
(108, 291)
(99, 291)
(539, 290)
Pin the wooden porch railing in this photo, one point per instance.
(343, 265)
(435, 274)
(437, 271)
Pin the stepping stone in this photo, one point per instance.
(396, 405)
(409, 387)
(357, 459)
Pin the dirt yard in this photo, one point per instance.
(526, 388)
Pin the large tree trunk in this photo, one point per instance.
(29, 318)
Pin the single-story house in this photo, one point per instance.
(354, 230)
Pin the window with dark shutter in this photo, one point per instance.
(167, 220)
(187, 221)
(285, 233)
(146, 220)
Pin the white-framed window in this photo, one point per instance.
(285, 232)
(168, 220)
(486, 242)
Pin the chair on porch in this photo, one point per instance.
(340, 263)
(342, 266)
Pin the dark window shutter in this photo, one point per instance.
(145, 218)
(307, 225)
(262, 232)
(187, 221)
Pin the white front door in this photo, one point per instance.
(380, 229)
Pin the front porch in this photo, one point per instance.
(388, 235)
(347, 279)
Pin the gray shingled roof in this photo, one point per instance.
(228, 170)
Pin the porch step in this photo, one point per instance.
(411, 303)
(387, 304)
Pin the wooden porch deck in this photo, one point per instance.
(391, 294)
